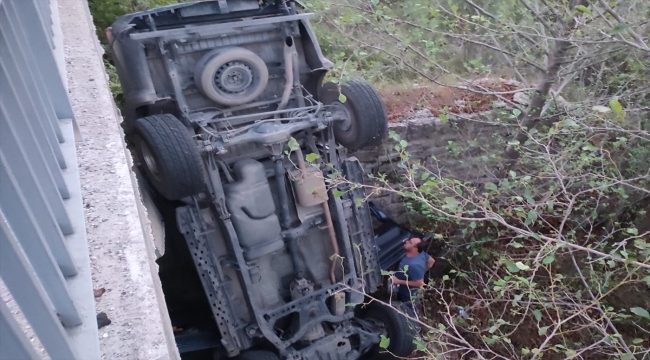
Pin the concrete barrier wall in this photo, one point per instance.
(120, 229)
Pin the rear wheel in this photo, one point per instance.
(364, 112)
(395, 327)
(168, 156)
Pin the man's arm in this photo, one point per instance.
(414, 276)
(430, 262)
(409, 283)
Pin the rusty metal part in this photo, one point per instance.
(328, 219)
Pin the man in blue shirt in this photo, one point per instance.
(410, 276)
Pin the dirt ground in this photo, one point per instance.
(437, 99)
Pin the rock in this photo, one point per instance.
(499, 104)
(103, 320)
(99, 292)
(521, 98)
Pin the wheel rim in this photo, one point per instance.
(233, 77)
(149, 160)
(339, 110)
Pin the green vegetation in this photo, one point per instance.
(552, 250)
(105, 12)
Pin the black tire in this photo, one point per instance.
(368, 121)
(398, 329)
(231, 76)
(257, 355)
(168, 156)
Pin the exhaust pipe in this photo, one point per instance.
(328, 221)
(288, 73)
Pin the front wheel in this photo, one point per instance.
(258, 355)
(365, 120)
(168, 156)
(395, 326)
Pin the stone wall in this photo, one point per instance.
(465, 147)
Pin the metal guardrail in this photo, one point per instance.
(44, 261)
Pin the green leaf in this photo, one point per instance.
(542, 330)
(293, 144)
(443, 118)
(531, 217)
(538, 315)
(489, 341)
(420, 345)
(510, 265)
(549, 205)
(516, 112)
(640, 312)
(627, 357)
(641, 244)
(445, 278)
(394, 135)
(374, 2)
(358, 202)
(384, 342)
(589, 147)
(342, 98)
(632, 231)
(619, 28)
(647, 280)
(583, 9)
(522, 266)
(338, 193)
(387, 273)
(637, 341)
(452, 203)
(601, 109)
(570, 353)
(549, 259)
(311, 157)
(615, 105)
(570, 122)
(490, 186)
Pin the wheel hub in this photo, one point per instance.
(149, 160)
(233, 77)
(341, 112)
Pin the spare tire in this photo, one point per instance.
(366, 119)
(231, 76)
(169, 158)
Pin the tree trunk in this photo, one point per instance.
(531, 117)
